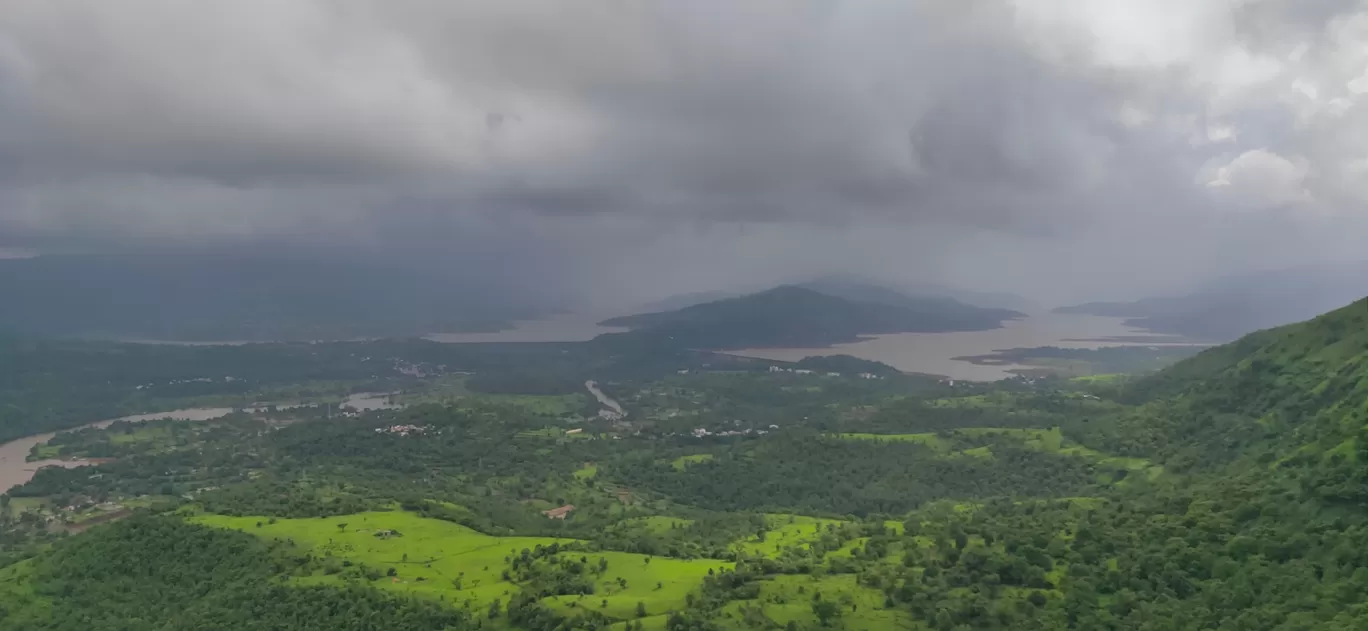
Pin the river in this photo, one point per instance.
(935, 353)
(15, 468)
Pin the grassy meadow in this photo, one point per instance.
(452, 563)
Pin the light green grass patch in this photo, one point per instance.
(452, 390)
(970, 401)
(1100, 379)
(586, 472)
(785, 531)
(140, 434)
(978, 452)
(435, 551)
(661, 584)
(649, 623)
(929, 439)
(657, 524)
(681, 463)
(21, 505)
(17, 595)
(46, 452)
(789, 598)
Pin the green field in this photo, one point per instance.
(661, 584)
(657, 524)
(785, 531)
(16, 590)
(929, 439)
(789, 598)
(683, 462)
(452, 390)
(430, 556)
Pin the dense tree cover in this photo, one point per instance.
(151, 572)
(1265, 532)
(797, 317)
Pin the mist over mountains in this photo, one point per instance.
(1228, 307)
(226, 296)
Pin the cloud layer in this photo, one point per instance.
(933, 137)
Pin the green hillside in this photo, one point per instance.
(1227, 492)
(796, 316)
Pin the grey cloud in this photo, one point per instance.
(900, 136)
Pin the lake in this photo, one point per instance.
(934, 353)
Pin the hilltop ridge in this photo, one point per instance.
(797, 316)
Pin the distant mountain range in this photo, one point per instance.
(856, 288)
(1232, 306)
(239, 297)
(800, 316)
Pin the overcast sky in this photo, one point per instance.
(1066, 149)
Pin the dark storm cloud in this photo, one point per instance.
(580, 135)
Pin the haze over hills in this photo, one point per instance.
(1229, 307)
(241, 297)
(914, 295)
(933, 298)
(796, 316)
(680, 301)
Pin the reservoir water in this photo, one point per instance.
(935, 353)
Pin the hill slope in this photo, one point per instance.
(1296, 388)
(796, 316)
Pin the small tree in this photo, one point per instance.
(826, 611)
(641, 609)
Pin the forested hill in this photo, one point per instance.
(1295, 360)
(798, 317)
(1296, 388)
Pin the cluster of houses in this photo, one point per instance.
(700, 432)
(804, 371)
(181, 381)
(402, 430)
